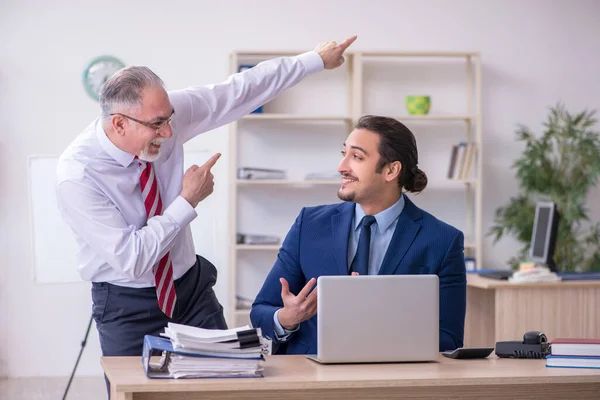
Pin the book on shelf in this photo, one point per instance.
(462, 161)
(243, 303)
(242, 238)
(260, 173)
(190, 352)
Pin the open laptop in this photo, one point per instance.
(377, 318)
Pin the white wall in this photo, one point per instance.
(534, 54)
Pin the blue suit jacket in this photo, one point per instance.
(317, 244)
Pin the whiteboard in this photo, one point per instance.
(54, 245)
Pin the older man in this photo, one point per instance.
(122, 190)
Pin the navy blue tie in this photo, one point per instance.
(360, 263)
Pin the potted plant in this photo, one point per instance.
(560, 166)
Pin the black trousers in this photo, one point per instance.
(124, 315)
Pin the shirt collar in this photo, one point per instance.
(122, 157)
(384, 218)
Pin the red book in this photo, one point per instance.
(575, 347)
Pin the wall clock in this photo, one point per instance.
(97, 72)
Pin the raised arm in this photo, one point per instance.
(203, 108)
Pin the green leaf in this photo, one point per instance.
(562, 165)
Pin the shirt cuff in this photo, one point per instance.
(281, 333)
(181, 211)
(312, 61)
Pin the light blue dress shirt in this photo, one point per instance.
(381, 236)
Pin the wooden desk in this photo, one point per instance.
(498, 310)
(296, 377)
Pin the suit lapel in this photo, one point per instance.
(409, 223)
(341, 223)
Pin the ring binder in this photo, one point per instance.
(191, 352)
(206, 365)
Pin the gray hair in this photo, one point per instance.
(124, 88)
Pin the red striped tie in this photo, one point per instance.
(163, 270)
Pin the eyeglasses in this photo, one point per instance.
(157, 126)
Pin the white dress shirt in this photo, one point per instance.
(98, 188)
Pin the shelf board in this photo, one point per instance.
(308, 183)
(276, 247)
(433, 117)
(459, 181)
(373, 54)
(296, 117)
(339, 118)
(450, 54)
(273, 247)
(289, 182)
(441, 183)
(267, 53)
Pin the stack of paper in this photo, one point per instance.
(191, 352)
(194, 367)
(243, 342)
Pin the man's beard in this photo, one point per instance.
(145, 155)
(346, 196)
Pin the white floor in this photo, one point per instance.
(84, 388)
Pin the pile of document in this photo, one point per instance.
(190, 352)
(261, 173)
(243, 303)
(245, 238)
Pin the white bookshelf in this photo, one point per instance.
(293, 115)
(288, 182)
